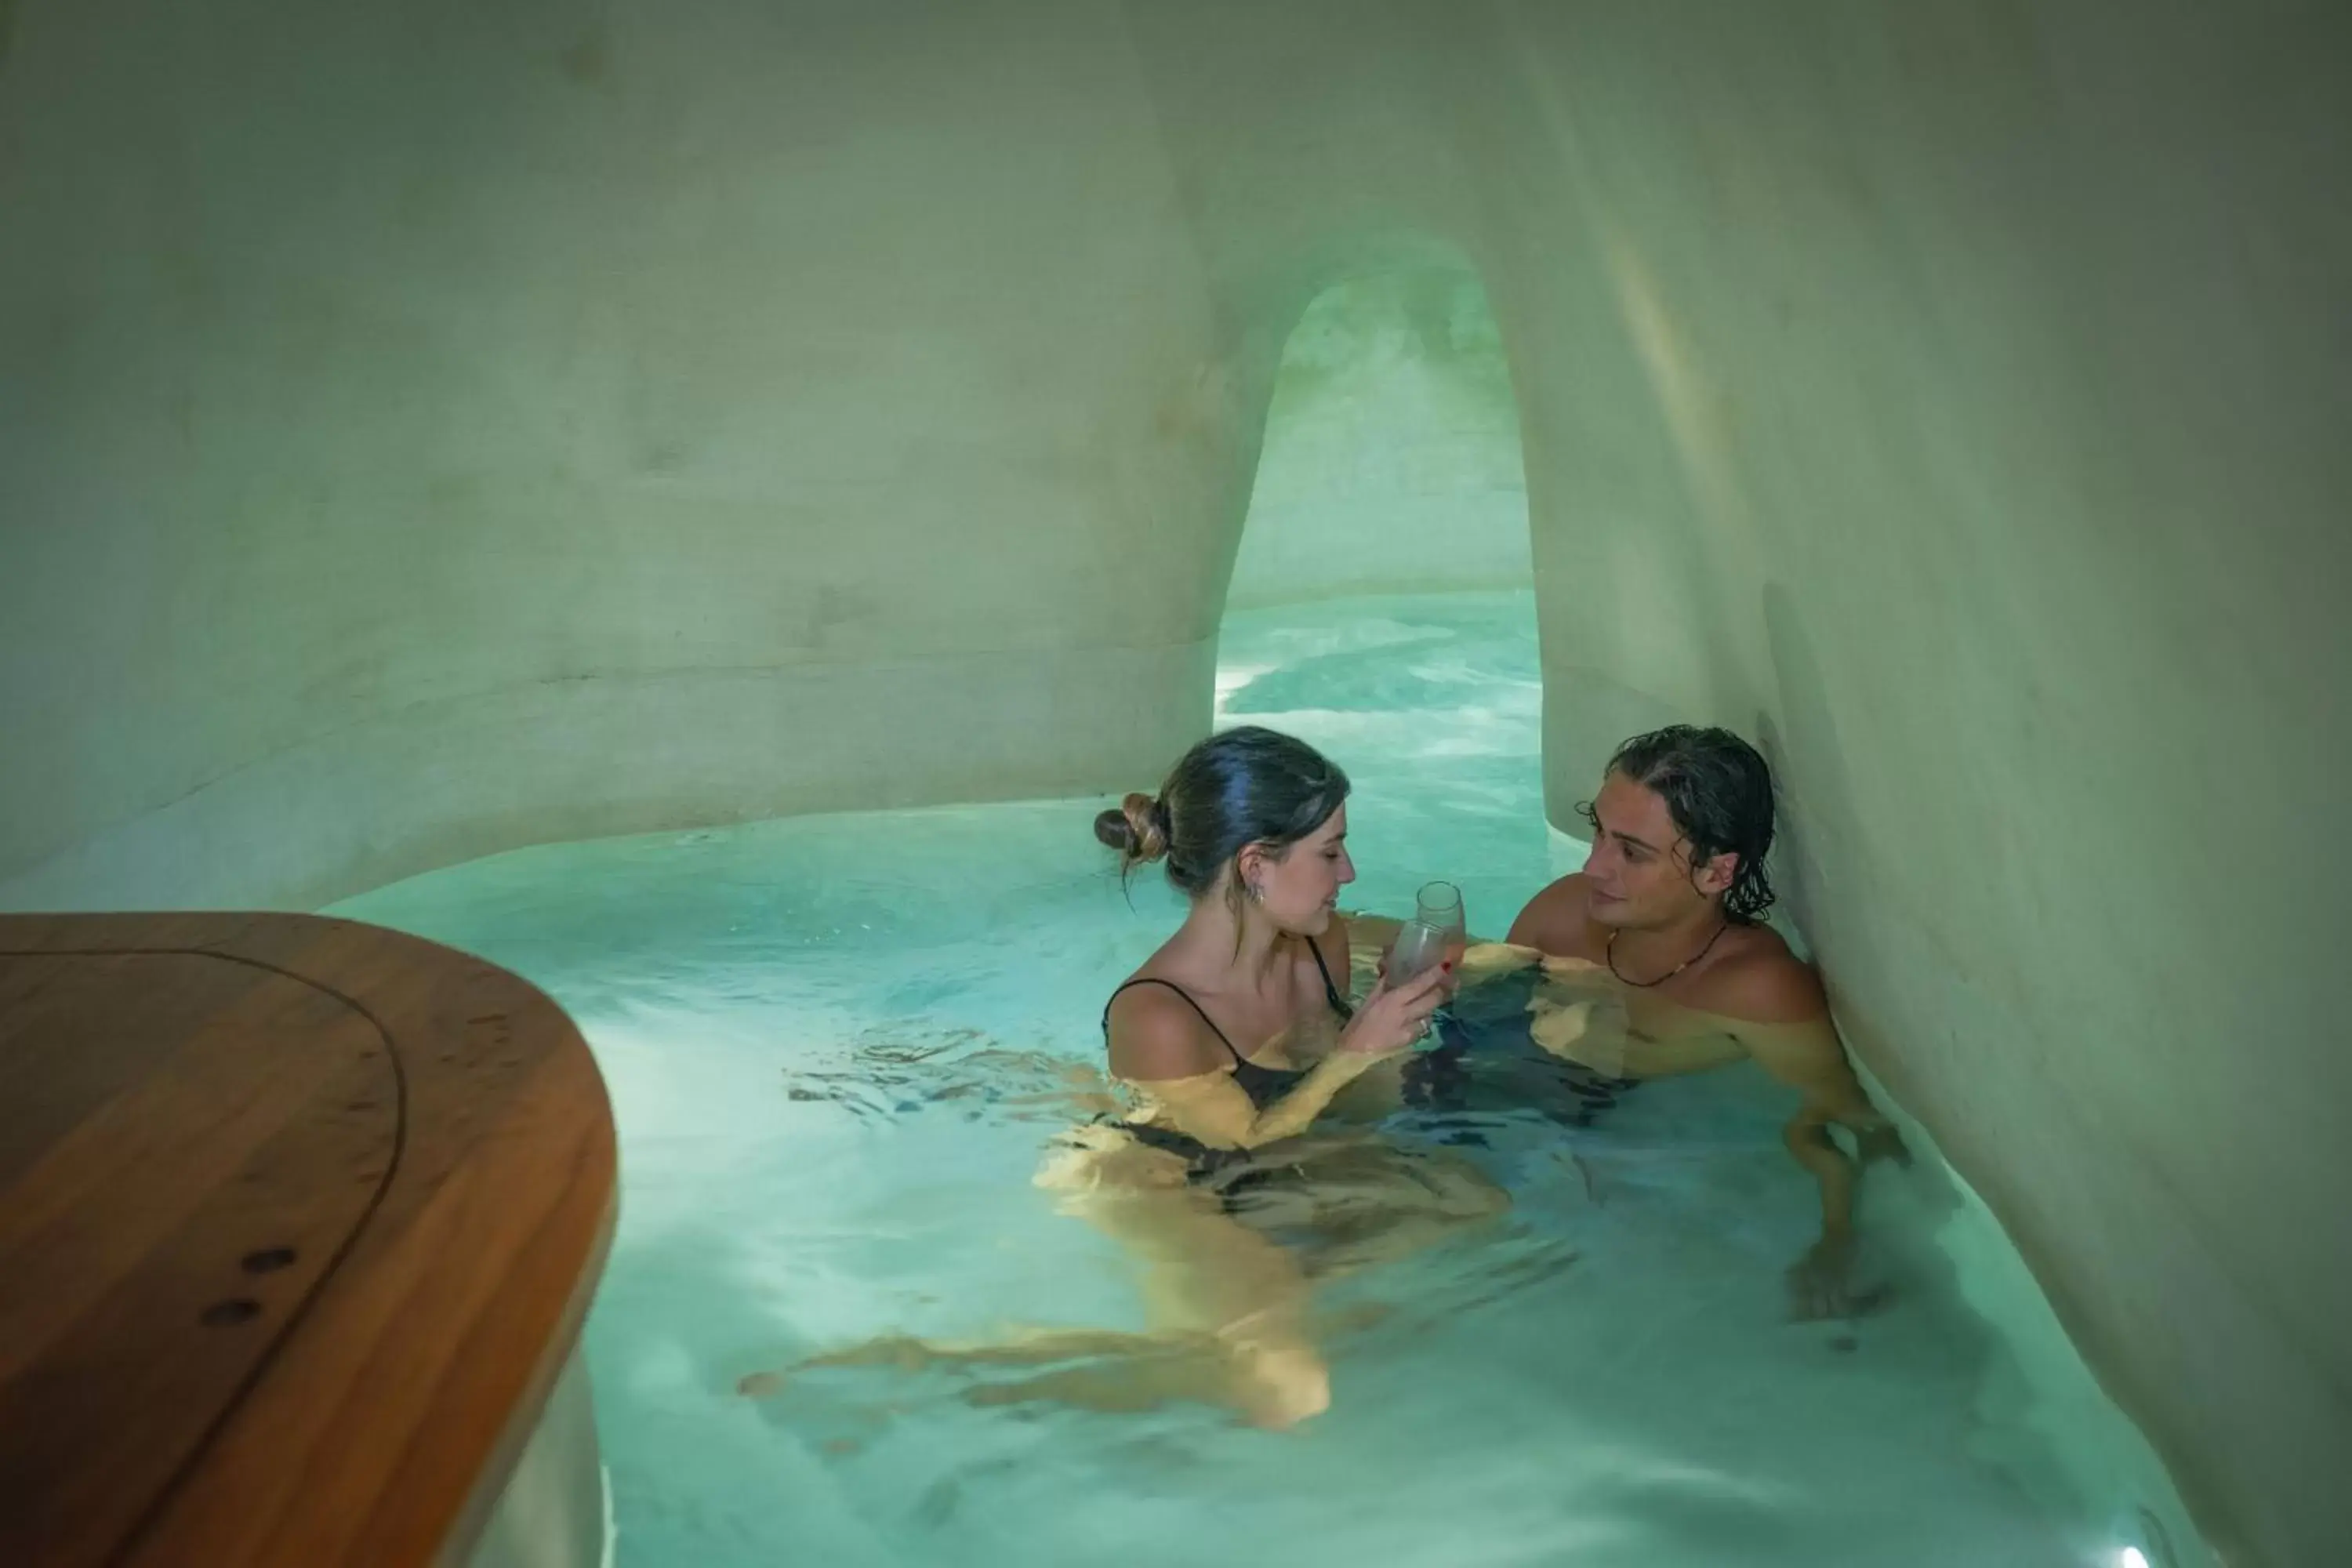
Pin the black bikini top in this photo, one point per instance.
(1262, 1084)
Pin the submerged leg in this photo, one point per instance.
(1227, 1308)
(1275, 1385)
(1369, 1202)
(1017, 1347)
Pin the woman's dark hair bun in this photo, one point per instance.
(1236, 788)
(1138, 830)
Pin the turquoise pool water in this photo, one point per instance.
(838, 1046)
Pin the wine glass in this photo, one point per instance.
(1418, 948)
(1439, 907)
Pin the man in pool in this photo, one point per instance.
(1656, 962)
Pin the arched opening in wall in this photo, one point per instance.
(1383, 603)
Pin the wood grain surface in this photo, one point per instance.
(299, 1219)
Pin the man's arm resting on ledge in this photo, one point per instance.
(1804, 1053)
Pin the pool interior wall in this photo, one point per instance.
(824, 1037)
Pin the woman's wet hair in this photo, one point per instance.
(1236, 788)
(1718, 790)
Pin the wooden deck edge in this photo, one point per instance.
(379, 1423)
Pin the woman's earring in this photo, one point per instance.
(1256, 896)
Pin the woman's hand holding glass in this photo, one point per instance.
(1396, 1011)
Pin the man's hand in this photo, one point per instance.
(1817, 1282)
(1821, 1283)
(1881, 1141)
(1483, 958)
(1558, 1028)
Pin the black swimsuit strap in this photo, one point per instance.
(1155, 980)
(1339, 1003)
(1330, 992)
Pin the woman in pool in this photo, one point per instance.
(1231, 1041)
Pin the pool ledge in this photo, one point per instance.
(298, 1222)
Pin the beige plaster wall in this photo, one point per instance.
(428, 429)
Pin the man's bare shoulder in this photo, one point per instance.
(1555, 919)
(1758, 980)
